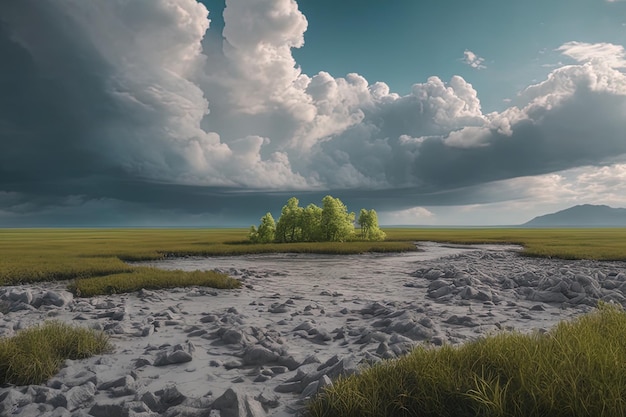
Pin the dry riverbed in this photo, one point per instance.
(298, 322)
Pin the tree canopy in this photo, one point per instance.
(368, 221)
(332, 223)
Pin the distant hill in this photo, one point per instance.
(587, 215)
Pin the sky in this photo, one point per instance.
(212, 113)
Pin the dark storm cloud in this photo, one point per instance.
(121, 113)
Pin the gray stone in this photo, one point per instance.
(419, 333)
(295, 386)
(234, 404)
(322, 336)
(259, 355)
(80, 378)
(116, 383)
(209, 318)
(310, 390)
(268, 401)
(324, 382)
(58, 299)
(176, 355)
(51, 396)
(466, 321)
(440, 292)
(170, 396)
(231, 337)
(345, 367)
(81, 396)
(548, 297)
(19, 296)
(57, 412)
(33, 409)
(306, 325)
(109, 410)
(278, 308)
(152, 401)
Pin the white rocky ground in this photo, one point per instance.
(299, 322)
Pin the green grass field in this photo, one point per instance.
(31, 255)
(600, 244)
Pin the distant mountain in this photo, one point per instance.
(587, 215)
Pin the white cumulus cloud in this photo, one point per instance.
(473, 60)
(608, 53)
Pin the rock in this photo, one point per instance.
(375, 309)
(345, 367)
(305, 325)
(310, 390)
(439, 291)
(152, 401)
(50, 396)
(548, 297)
(324, 382)
(58, 299)
(116, 383)
(322, 336)
(268, 401)
(12, 399)
(278, 308)
(234, 404)
(79, 378)
(33, 409)
(210, 318)
(170, 396)
(81, 396)
(258, 355)
(295, 386)
(19, 296)
(57, 412)
(466, 321)
(176, 355)
(109, 410)
(232, 337)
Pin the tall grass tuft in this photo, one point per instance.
(152, 279)
(577, 369)
(35, 354)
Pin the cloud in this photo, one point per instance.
(411, 216)
(608, 53)
(473, 60)
(134, 104)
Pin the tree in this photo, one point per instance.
(310, 223)
(337, 224)
(253, 234)
(330, 223)
(368, 221)
(267, 229)
(288, 227)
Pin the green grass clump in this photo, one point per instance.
(34, 355)
(576, 369)
(152, 279)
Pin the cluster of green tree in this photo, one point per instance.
(330, 223)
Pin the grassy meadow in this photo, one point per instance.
(600, 243)
(32, 255)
